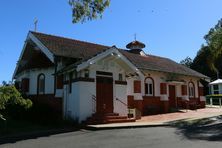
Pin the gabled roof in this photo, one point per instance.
(218, 81)
(65, 47)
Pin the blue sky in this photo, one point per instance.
(169, 28)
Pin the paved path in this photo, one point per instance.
(164, 119)
(158, 137)
(184, 114)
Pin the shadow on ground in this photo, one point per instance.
(34, 135)
(204, 129)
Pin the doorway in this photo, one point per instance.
(104, 94)
(172, 96)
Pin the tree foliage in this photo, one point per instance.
(9, 95)
(83, 10)
(208, 60)
(187, 62)
(214, 43)
(202, 64)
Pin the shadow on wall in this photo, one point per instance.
(204, 129)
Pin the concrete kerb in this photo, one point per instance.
(120, 126)
(145, 124)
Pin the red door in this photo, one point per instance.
(104, 94)
(172, 96)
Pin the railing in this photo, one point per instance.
(93, 103)
(117, 99)
(132, 112)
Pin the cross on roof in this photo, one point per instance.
(135, 36)
(35, 24)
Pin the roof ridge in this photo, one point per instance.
(147, 55)
(67, 38)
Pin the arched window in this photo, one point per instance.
(191, 90)
(41, 84)
(149, 86)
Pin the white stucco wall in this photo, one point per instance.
(83, 91)
(59, 93)
(121, 94)
(33, 76)
(86, 90)
(71, 102)
(78, 104)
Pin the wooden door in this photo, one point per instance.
(172, 96)
(104, 94)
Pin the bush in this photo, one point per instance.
(10, 96)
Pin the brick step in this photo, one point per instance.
(101, 118)
(106, 114)
(119, 120)
(115, 117)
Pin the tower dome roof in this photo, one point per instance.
(135, 45)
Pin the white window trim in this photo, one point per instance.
(148, 86)
(191, 90)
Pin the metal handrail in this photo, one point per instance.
(94, 97)
(93, 103)
(122, 102)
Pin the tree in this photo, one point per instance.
(9, 95)
(208, 60)
(83, 10)
(187, 62)
(214, 43)
(201, 62)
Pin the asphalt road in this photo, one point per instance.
(157, 137)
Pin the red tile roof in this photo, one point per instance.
(161, 64)
(65, 47)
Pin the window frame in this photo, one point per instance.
(120, 77)
(86, 73)
(149, 86)
(191, 90)
(41, 84)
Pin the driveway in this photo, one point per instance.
(158, 137)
